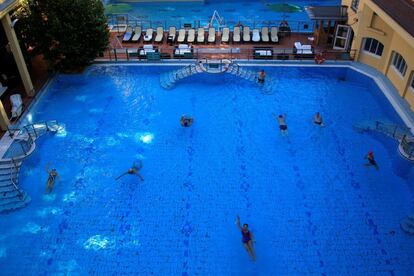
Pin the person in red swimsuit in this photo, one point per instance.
(247, 238)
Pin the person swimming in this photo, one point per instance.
(186, 120)
(133, 170)
(317, 119)
(50, 183)
(247, 239)
(281, 119)
(371, 160)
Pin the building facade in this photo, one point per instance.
(383, 37)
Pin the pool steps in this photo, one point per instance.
(169, 79)
(11, 196)
(400, 133)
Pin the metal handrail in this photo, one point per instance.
(15, 167)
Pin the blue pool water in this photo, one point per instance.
(246, 11)
(313, 206)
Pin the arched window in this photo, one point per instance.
(412, 82)
(373, 46)
(398, 62)
(355, 4)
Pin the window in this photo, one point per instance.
(354, 4)
(399, 63)
(373, 46)
(412, 82)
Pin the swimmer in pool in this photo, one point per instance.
(186, 121)
(247, 239)
(281, 119)
(317, 119)
(371, 160)
(50, 183)
(133, 170)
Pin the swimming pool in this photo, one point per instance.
(312, 205)
(245, 11)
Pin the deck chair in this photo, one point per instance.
(236, 34)
(303, 49)
(191, 36)
(17, 105)
(128, 34)
(148, 35)
(211, 35)
(200, 35)
(265, 34)
(256, 35)
(273, 35)
(159, 35)
(181, 36)
(172, 32)
(226, 35)
(137, 34)
(246, 34)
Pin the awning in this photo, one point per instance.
(337, 13)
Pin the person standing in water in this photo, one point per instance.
(53, 174)
(247, 239)
(261, 77)
(133, 170)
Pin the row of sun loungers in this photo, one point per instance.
(190, 36)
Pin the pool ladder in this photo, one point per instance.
(169, 79)
(11, 196)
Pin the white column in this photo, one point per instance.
(18, 56)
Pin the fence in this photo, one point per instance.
(161, 54)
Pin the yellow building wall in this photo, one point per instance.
(370, 21)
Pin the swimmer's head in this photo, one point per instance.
(280, 116)
(245, 226)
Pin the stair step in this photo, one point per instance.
(15, 205)
(7, 188)
(8, 201)
(9, 194)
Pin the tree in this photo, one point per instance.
(69, 33)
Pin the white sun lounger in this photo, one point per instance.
(273, 35)
(160, 35)
(182, 49)
(137, 34)
(191, 36)
(256, 35)
(200, 35)
(181, 36)
(226, 35)
(246, 34)
(148, 34)
(303, 49)
(128, 34)
(265, 34)
(171, 34)
(147, 49)
(17, 105)
(211, 35)
(236, 34)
